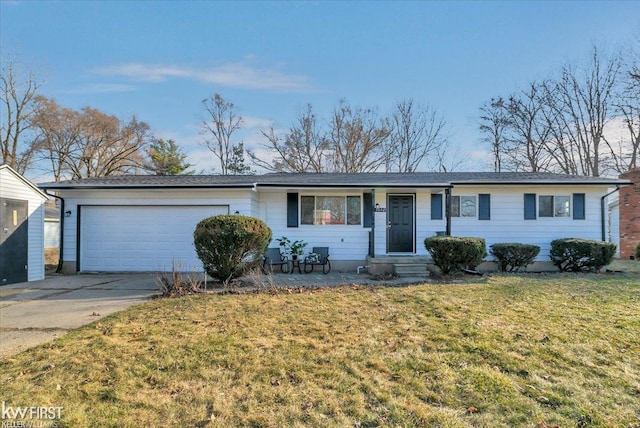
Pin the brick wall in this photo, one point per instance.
(630, 214)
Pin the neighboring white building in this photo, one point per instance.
(21, 228)
(144, 223)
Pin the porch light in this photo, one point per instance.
(67, 213)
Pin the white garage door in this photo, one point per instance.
(140, 238)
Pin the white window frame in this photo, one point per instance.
(317, 217)
(459, 198)
(555, 213)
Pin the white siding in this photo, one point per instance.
(507, 222)
(14, 187)
(345, 242)
(613, 230)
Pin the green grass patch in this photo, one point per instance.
(530, 350)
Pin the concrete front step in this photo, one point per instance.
(410, 270)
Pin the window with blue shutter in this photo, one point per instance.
(292, 210)
(529, 206)
(484, 206)
(578, 206)
(436, 206)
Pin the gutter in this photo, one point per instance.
(61, 250)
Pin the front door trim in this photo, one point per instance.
(412, 248)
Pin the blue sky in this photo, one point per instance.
(159, 60)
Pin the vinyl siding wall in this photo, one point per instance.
(14, 188)
(345, 242)
(507, 222)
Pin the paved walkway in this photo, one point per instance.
(35, 312)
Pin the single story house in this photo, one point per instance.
(21, 228)
(145, 223)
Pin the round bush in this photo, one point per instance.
(451, 253)
(229, 245)
(513, 257)
(637, 254)
(574, 255)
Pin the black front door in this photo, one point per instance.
(400, 224)
(14, 240)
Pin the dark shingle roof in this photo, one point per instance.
(376, 179)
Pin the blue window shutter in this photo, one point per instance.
(436, 206)
(367, 209)
(578, 206)
(292, 210)
(484, 206)
(529, 206)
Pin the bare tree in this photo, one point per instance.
(88, 143)
(625, 155)
(354, 140)
(358, 139)
(302, 148)
(16, 109)
(584, 102)
(59, 132)
(494, 123)
(218, 129)
(528, 133)
(418, 132)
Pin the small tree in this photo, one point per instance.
(166, 158)
(229, 245)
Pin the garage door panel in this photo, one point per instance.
(140, 238)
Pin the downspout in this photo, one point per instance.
(61, 250)
(602, 212)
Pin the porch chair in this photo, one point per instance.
(273, 257)
(319, 256)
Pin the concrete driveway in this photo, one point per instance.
(35, 312)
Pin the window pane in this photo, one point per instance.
(545, 206)
(455, 206)
(561, 206)
(307, 204)
(468, 206)
(330, 210)
(353, 209)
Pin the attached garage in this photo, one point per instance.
(129, 238)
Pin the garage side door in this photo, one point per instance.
(140, 238)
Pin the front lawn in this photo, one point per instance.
(532, 350)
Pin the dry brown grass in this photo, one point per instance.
(538, 351)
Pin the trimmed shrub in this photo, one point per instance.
(230, 245)
(452, 253)
(637, 253)
(513, 257)
(575, 255)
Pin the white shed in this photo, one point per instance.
(21, 228)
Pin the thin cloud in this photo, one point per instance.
(100, 88)
(237, 75)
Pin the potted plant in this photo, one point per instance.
(295, 248)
